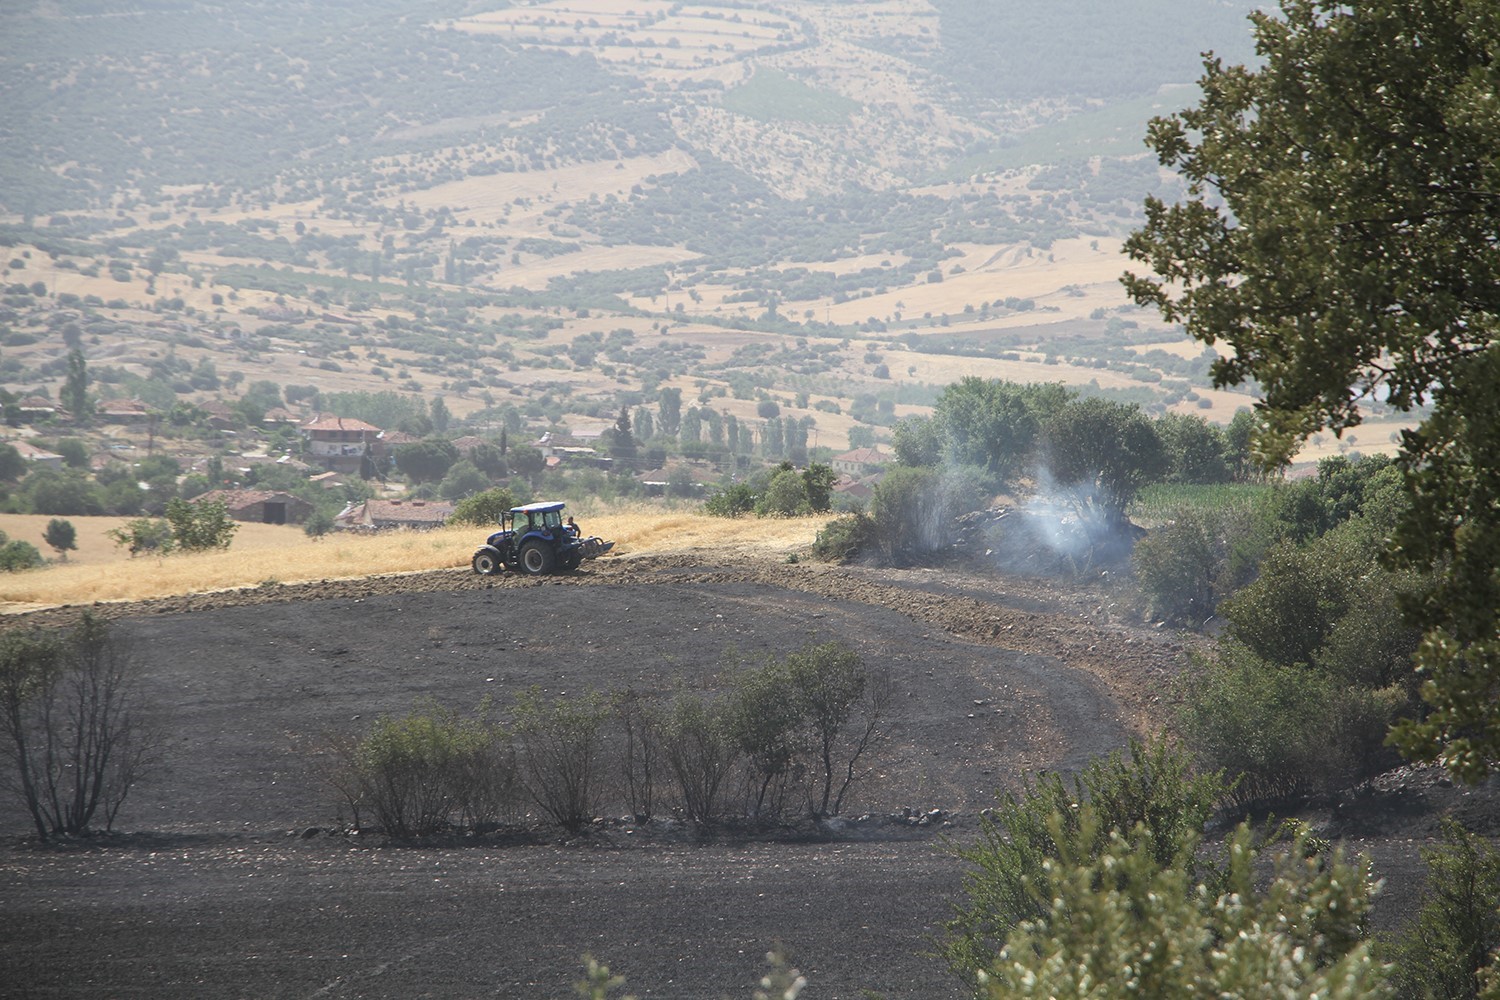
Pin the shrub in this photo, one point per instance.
(766, 725)
(732, 501)
(71, 738)
(847, 539)
(18, 555)
(640, 727)
(1454, 937)
(1284, 730)
(1009, 879)
(1195, 560)
(697, 745)
(842, 703)
(483, 509)
(1118, 920)
(558, 751)
(200, 526)
(144, 534)
(425, 773)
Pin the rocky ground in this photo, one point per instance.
(232, 877)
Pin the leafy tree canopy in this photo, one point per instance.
(1338, 236)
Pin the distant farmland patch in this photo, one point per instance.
(771, 96)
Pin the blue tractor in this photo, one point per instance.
(535, 540)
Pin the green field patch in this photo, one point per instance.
(1164, 500)
(772, 96)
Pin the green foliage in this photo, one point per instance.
(1120, 920)
(1195, 449)
(559, 754)
(463, 479)
(1456, 934)
(483, 510)
(847, 539)
(12, 465)
(1009, 880)
(199, 526)
(318, 524)
(17, 555)
(765, 724)
(1284, 730)
(734, 500)
(426, 772)
(426, 461)
(914, 509)
(72, 741)
(1328, 605)
(988, 424)
(1338, 236)
(918, 441)
(61, 536)
(144, 534)
(1200, 556)
(74, 394)
(697, 745)
(68, 493)
(75, 453)
(784, 496)
(1100, 454)
(841, 702)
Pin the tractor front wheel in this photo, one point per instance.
(538, 559)
(486, 562)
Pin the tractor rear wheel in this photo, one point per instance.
(538, 559)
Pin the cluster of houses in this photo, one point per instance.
(343, 446)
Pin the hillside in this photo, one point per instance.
(544, 212)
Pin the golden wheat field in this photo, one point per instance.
(99, 571)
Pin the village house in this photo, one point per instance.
(261, 506)
(860, 461)
(123, 411)
(339, 444)
(34, 408)
(385, 515)
(38, 458)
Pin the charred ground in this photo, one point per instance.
(231, 877)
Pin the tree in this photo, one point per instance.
(440, 415)
(483, 510)
(12, 465)
(487, 459)
(75, 453)
(200, 526)
(462, 479)
(670, 411)
(1101, 453)
(71, 740)
(61, 537)
(17, 555)
(621, 441)
(75, 391)
(841, 702)
(1195, 449)
(1338, 234)
(144, 534)
(994, 425)
(819, 480)
(426, 461)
